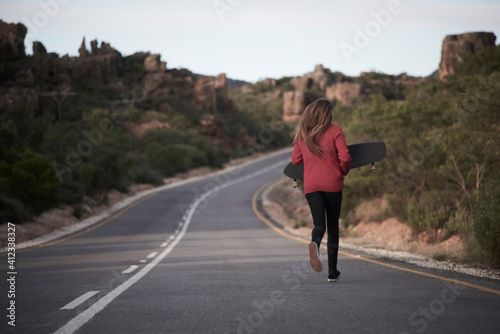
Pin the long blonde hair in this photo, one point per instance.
(315, 120)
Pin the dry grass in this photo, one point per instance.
(375, 210)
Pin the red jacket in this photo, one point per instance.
(324, 173)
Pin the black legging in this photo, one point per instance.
(321, 202)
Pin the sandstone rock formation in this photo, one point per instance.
(204, 94)
(456, 48)
(221, 85)
(83, 49)
(294, 103)
(170, 82)
(153, 64)
(103, 64)
(319, 80)
(247, 89)
(268, 82)
(12, 41)
(321, 77)
(39, 50)
(300, 83)
(343, 92)
(211, 126)
(211, 95)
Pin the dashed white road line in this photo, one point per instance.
(130, 269)
(142, 261)
(152, 255)
(163, 245)
(82, 318)
(78, 300)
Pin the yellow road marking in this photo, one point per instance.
(91, 228)
(293, 237)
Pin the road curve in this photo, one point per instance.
(197, 259)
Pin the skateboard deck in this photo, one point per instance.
(361, 155)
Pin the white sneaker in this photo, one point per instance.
(314, 257)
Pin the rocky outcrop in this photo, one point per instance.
(456, 48)
(321, 77)
(83, 49)
(173, 81)
(39, 50)
(204, 94)
(211, 94)
(104, 64)
(294, 103)
(343, 92)
(153, 64)
(12, 41)
(211, 126)
(221, 85)
(319, 80)
(268, 83)
(247, 89)
(300, 83)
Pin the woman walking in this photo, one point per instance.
(320, 146)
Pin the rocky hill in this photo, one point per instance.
(456, 49)
(76, 128)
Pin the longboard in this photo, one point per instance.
(361, 155)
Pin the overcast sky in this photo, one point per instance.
(255, 39)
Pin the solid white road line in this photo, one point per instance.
(78, 300)
(129, 270)
(152, 255)
(82, 318)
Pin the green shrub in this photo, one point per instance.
(112, 165)
(460, 222)
(487, 221)
(145, 174)
(13, 211)
(71, 191)
(174, 158)
(427, 212)
(31, 179)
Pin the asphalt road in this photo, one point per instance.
(181, 263)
